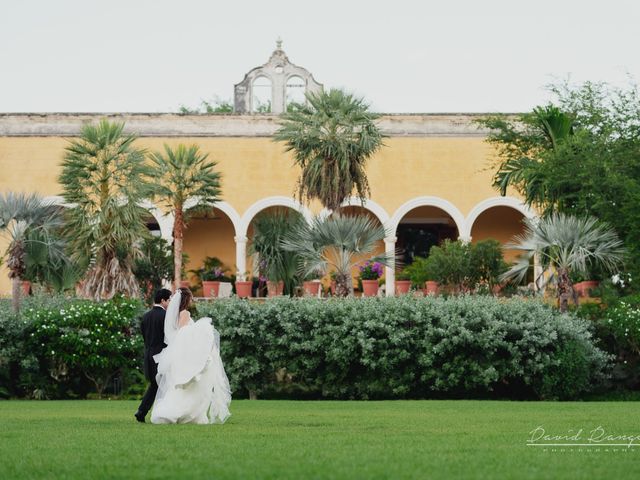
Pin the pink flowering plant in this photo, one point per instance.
(371, 270)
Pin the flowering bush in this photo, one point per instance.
(371, 271)
(623, 321)
(88, 338)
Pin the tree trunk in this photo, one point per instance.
(15, 293)
(565, 290)
(342, 285)
(178, 231)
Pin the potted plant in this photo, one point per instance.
(211, 282)
(311, 285)
(370, 273)
(403, 282)
(421, 276)
(243, 287)
(583, 284)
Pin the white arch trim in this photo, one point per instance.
(428, 201)
(488, 203)
(368, 204)
(275, 201)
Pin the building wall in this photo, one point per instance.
(421, 159)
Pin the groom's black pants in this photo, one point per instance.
(150, 370)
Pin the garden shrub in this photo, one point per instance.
(407, 347)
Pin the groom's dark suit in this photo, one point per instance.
(153, 333)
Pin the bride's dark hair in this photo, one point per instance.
(185, 298)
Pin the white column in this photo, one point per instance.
(166, 223)
(241, 255)
(390, 272)
(537, 272)
(465, 238)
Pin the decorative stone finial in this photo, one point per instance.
(279, 43)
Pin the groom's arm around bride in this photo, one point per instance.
(152, 327)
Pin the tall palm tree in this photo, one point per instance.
(565, 244)
(337, 242)
(104, 177)
(25, 220)
(180, 174)
(331, 138)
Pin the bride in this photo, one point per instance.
(192, 384)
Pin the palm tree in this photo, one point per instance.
(181, 174)
(104, 178)
(337, 242)
(565, 244)
(545, 130)
(269, 229)
(24, 221)
(331, 138)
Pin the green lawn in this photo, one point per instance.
(288, 439)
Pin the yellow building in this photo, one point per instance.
(432, 180)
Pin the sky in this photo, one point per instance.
(402, 56)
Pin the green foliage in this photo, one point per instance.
(154, 265)
(95, 339)
(216, 106)
(332, 136)
(406, 348)
(104, 178)
(270, 257)
(579, 157)
(336, 243)
(459, 265)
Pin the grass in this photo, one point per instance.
(293, 440)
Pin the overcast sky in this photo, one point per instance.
(401, 55)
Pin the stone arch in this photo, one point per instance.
(261, 95)
(427, 201)
(275, 201)
(369, 205)
(488, 203)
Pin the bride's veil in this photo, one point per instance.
(171, 318)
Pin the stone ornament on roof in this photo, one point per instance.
(278, 71)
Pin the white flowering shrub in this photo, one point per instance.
(404, 347)
(95, 340)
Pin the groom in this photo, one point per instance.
(153, 333)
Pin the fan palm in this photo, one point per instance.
(331, 138)
(180, 174)
(339, 243)
(24, 221)
(565, 244)
(269, 228)
(104, 180)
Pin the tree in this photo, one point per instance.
(25, 220)
(338, 242)
(331, 137)
(104, 178)
(565, 244)
(269, 229)
(580, 156)
(180, 174)
(154, 266)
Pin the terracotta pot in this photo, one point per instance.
(210, 288)
(243, 289)
(583, 289)
(403, 287)
(369, 288)
(311, 287)
(431, 287)
(275, 289)
(185, 284)
(26, 287)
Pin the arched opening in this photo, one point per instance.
(261, 95)
(501, 223)
(295, 93)
(209, 234)
(421, 228)
(264, 227)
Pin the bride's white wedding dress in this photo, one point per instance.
(192, 384)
